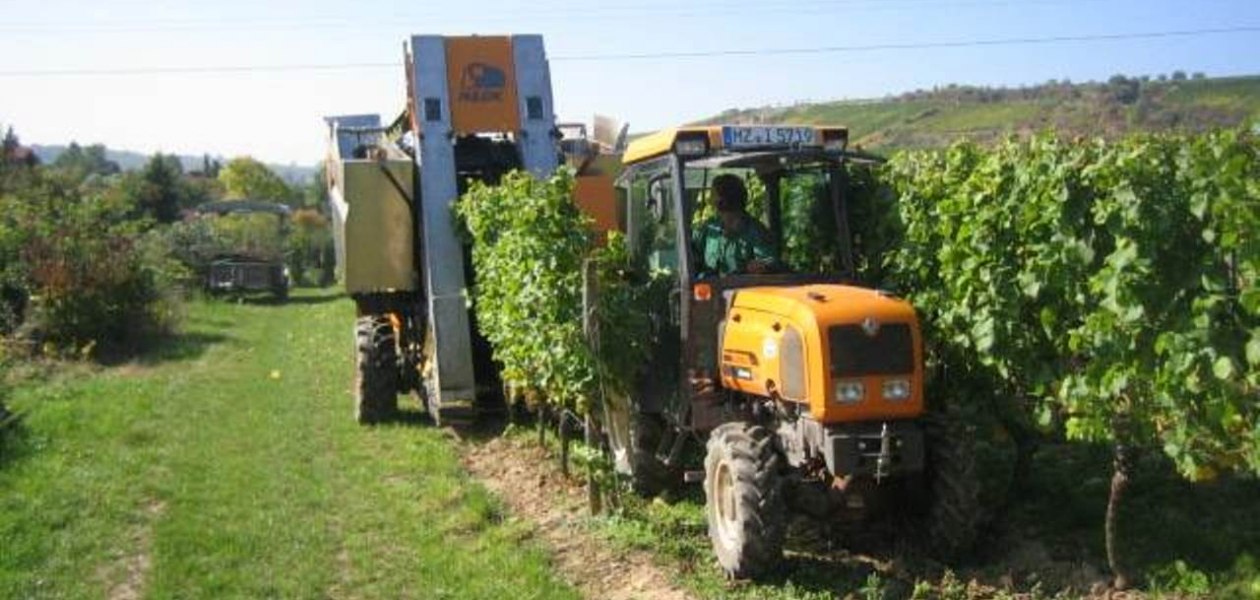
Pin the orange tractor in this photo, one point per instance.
(806, 390)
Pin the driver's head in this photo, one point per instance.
(729, 198)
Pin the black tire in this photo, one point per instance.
(743, 488)
(633, 438)
(376, 372)
(954, 513)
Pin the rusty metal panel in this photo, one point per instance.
(596, 197)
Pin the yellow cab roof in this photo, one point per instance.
(662, 142)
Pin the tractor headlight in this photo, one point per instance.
(850, 392)
(691, 147)
(896, 389)
(835, 140)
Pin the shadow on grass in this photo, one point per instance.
(322, 296)
(1164, 519)
(15, 442)
(410, 417)
(1208, 525)
(170, 348)
(490, 421)
(1050, 541)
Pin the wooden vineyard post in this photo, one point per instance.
(590, 327)
(563, 432)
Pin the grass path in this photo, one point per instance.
(228, 466)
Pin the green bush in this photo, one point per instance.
(528, 245)
(194, 244)
(1113, 285)
(258, 235)
(4, 374)
(529, 242)
(310, 248)
(96, 279)
(1109, 291)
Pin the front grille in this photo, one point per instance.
(792, 364)
(222, 275)
(256, 276)
(855, 354)
(249, 276)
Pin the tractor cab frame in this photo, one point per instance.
(805, 390)
(663, 198)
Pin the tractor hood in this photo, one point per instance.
(825, 303)
(850, 353)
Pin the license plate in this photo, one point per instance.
(762, 137)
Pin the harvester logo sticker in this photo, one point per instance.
(482, 83)
(870, 326)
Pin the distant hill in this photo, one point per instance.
(129, 161)
(933, 118)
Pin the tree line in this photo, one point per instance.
(96, 258)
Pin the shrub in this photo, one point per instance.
(529, 242)
(310, 247)
(97, 280)
(258, 235)
(1110, 289)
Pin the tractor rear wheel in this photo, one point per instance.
(376, 369)
(744, 502)
(954, 514)
(633, 438)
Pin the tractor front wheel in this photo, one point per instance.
(743, 489)
(954, 514)
(376, 372)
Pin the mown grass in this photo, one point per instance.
(227, 465)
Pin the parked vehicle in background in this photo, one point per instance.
(252, 259)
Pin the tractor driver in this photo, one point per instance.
(734, 241)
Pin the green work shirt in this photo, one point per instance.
(724, 254)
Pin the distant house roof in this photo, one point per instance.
(20, 154)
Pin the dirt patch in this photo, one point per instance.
(834, 559)
(344, 568)
(523, 477)
(132, 369)
(126, 576)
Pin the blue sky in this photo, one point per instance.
(275, 115)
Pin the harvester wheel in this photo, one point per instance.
(743, 488)
(954, 514)
(633, 438)
(376, 373)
